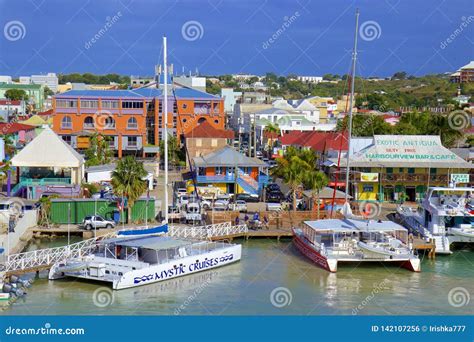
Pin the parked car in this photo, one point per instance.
(221, 204)
(239, 205)
(274, 207)
(275, 197)
(96, 221)
(247, 198)
(273, 187)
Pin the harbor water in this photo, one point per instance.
(272, 278)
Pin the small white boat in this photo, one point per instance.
(393, 248)
(126, 262)
(466, 231)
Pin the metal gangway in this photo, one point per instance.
(211, 231)
(42, 259)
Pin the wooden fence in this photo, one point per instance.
(276, 219)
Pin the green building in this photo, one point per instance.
(35, 92)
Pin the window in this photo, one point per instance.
(411, 170)
(132, 141)
(160, 107)
(184, 120)
(185, 106)
(66, 103)
(109, 123)
(88, 122)
(132, 123)
(66, 122)
(89, 103)
(198, 142)
(400, 170)
(110, 104)
(389, 169)
(433, 171)
(67, 138)
(132, 104)
(111, 141)
(216, 121)
(175, 107)
(214, 142)
(219, 170)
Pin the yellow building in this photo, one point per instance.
(397, 167)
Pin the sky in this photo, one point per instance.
(304, 37)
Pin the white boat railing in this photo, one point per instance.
(207, 231)
(42, 258)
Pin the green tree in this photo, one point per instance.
(16, 94)
(175, 154)
(48, 92)
(400, 75)
(99, 151)
(365, 125)
(127, 181)
(315, 181)
(293, 167)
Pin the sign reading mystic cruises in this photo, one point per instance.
(419, 148)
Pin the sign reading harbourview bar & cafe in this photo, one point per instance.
(409, 148)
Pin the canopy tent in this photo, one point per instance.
(48, 150)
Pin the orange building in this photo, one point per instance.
(132, 119)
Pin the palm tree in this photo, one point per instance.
(272, 129)
(315, 181)
(127, 180)
(293, 168)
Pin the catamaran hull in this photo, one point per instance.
(329, 264)
(166, 271)
(311, 253)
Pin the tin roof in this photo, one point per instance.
(350, 225)
(227, 156)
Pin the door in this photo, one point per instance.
(411, 193)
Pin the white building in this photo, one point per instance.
(230, 98)
(50, 80)
(6, 79)
(25, 80)
(198, 83)
(12, 106)
(310, 79)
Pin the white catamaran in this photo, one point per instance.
(354, 239)
(138, 257)
(446, 215)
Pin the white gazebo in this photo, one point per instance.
(49, 156)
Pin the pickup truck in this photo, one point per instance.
(95, 222)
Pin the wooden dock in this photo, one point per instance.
(422, 245)
(261, 233)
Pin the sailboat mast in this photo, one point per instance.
(165, 130)
(351, 101)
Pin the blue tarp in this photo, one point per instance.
(153, 230)
(1, 250)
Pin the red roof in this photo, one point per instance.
(46, 112)
(206, 130)
(10, 102)
(14, 127)
(316, 140)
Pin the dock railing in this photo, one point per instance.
(208, 231)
